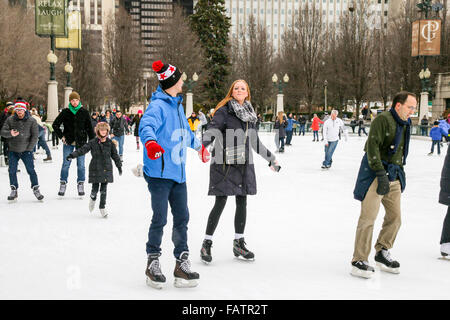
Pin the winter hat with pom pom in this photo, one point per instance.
(168, 75)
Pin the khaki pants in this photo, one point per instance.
(369, 211)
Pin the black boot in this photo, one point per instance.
(37, 193)
(184, 277)
(362, 269)
(155, 278)
(240, 250)
(80, 188)
(205, 252)
(385, 262)
(62, 188)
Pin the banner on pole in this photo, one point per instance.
(73, 41)
(426, 37)
(51, 18)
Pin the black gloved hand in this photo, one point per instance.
(120, 170)
(383, 183)
(69, 157)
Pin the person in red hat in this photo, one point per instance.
(22, 133)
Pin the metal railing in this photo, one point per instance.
(416, 130)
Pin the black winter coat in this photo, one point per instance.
(281, 127)
(444, 195)
(119, 126)
(236, 179)
(136, 120)
(100, 167)
(77, 127)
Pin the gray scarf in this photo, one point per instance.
(244, 112)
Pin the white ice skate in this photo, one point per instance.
(91, 204)
(445, 251)
(154, 284)
(104, 213)
(137, 171)
(362, 269)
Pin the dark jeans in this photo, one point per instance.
(288, 137)
(294, 131)
(163, 192)
(363, 129)
(27, 159)
(445, 237)
(315, 134)
(103, 187)
(81, 170)
(55, 140)
(424, 131)
(329, 152)
(281, 142)
(240, 216)
(438, 143)
(301, 129)
(42, 143)
(353, 128)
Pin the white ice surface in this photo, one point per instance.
(301, 226)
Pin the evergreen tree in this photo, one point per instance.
(212, 26)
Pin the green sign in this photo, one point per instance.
(51, 18)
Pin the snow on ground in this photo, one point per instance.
(301, 226)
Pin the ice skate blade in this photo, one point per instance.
(444, 256)
(241, 258)
(183, 283)
(154, 284)
(387, 269)
(361, 273)
(12, 201)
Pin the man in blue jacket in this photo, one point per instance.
(166, 135)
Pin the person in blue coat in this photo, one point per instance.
(445, 125)
(166, 135)
(436, 134)
(289, 129)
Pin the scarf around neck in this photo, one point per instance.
(74, 109)
(245, 111)
(401, 124)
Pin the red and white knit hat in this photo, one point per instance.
(20, 105)
(168, 75)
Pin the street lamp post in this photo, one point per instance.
(280, 84)
(190, 84)
(68, 68)
(325, 91)
(52, 93)
(146, 75)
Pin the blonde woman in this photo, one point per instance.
(232, 173)
(280, 131)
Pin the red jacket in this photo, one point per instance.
(315, 124)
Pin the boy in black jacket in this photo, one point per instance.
(100, 168)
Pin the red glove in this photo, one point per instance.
(203, 154)
(154, 150)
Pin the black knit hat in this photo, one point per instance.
(168, 75)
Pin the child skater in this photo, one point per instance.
(100, 168)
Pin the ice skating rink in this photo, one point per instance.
(301, 227)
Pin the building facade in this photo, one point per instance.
(279, 15)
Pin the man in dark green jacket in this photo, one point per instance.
(381, 179)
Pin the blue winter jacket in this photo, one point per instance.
(164, 122)
(291, 122)
(445, 126)
(436, 133)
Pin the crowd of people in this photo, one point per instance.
(227, 136)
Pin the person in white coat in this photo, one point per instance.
(331, 129)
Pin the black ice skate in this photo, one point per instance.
(184, 277)
(362, 269)
(62, 189)
(155, 278)
(205, 252)
(80, 188)
(386, 263)
(48, 159)
(445, 251)
(240, 251)
(37, 193)
(13, 196)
